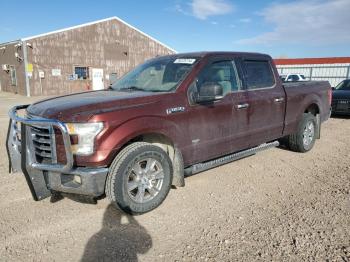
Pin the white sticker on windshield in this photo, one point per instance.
(189, 61)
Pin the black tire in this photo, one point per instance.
(122, 169)
(296, 142)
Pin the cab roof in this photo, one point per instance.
(203, 54)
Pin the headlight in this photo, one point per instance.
(86, 133)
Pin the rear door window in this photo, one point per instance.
(258, 74)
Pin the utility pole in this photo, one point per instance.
(25, 58)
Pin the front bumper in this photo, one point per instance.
(24, 148)
(341, 112)
(341, 107)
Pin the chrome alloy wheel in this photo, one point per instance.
(309, 133)
(145, 180)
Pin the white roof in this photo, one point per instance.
(10, 42)
(96, 22)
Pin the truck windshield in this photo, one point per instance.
(344, 85)
(157, 75)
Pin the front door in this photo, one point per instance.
(97, 79)
(213, 127)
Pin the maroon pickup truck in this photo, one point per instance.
(169, 117)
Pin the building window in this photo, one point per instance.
(81, 72)
(113, 77)
(13, 75)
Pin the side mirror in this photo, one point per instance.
(333, 88)
(209, 92)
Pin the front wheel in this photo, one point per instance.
(139, 178)
(304, 139)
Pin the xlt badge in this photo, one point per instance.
(175, 110)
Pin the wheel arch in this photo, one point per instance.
(165, 143)
(163, 134)
(312, 108)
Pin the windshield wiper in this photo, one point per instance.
(158, 90)
(133, 88)
(145, 90)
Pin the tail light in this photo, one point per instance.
(330, 96)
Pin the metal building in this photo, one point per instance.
(79, 58)
(332, 69)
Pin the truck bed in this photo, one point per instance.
(301, 94)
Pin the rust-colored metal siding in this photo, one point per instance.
(110, 44)
(7, 57)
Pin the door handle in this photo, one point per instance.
(242, 106)
(279, 99)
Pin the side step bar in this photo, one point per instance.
(228, 158)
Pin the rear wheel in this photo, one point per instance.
(139, 178)
(304, 139)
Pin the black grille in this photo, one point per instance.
(42, 143)
(340, 105)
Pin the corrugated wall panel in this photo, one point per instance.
(110, 45)
(7, 57)
(334, 73)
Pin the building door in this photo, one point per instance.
(97, 79)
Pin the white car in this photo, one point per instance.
(293, 77)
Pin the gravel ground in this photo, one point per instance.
(276, 205)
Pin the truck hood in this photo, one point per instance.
(341, 94)
(82, 106)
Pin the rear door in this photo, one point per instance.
(266, 100)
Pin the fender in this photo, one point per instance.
(293, 117)
(309, 100)
(129, 130)
(118, 136)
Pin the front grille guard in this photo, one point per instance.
(21, 153)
